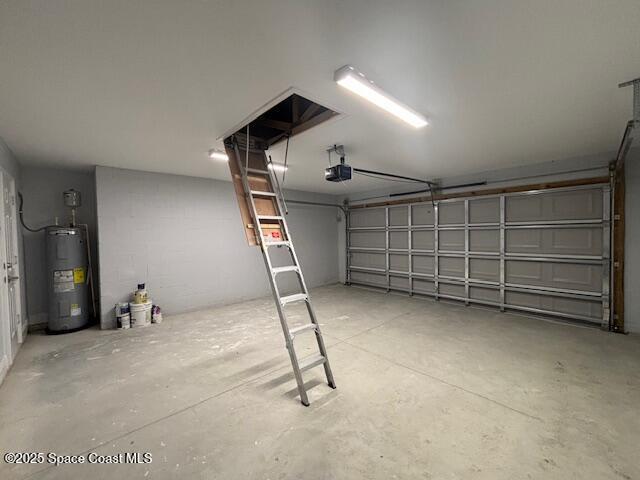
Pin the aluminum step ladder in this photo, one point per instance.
(282, 240)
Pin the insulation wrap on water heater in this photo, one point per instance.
(67, 279)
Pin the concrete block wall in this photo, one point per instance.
(183, 237)
(43, 203)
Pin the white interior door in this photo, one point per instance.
(10, 283)
(13, 256)
(6, 355)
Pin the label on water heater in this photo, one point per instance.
(75, 310)
(63, 281)
(78, 275)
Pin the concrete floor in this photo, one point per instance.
(425, 390)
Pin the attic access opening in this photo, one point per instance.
(257, 191)
(290, 117)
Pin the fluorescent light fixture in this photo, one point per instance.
(349, 78)
(218, 155)
(277, 167)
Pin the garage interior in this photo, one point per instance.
(320, 239)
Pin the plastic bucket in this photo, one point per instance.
(124, 321)
(140, 314)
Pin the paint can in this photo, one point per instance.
(140, 314)
(123, 318)
(124, 321)
(122, 308)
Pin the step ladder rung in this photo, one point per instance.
(257, 171)
(269, 217)
(278, 244)
(296, 297)
(303, 328)
(311, 362)
(288, 268)
(258, 193)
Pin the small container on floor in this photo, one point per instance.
(140, 295)
(156, 314)
(124, 321)
(123, 318)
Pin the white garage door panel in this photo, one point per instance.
(399, 283)
(422, 215)
(451, 267)
(423, 264)
(584, 204)
(399, 263)
(367, 218)
(540, 251)
(451, 290)
(398, 216)
(484, 210)
(562, 275)
(484, 269)
(484, 241)
(368, 240)
(368, 279)
(485, 294)
(423, 286)
(422, 240)
(368, 260)
(451, 240)
(398, 240)
(590, 309)
(562, 241)
(451, 213)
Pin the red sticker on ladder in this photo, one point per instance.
(275, 234)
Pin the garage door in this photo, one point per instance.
(543, 251)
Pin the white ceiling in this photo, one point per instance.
(151, 85)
